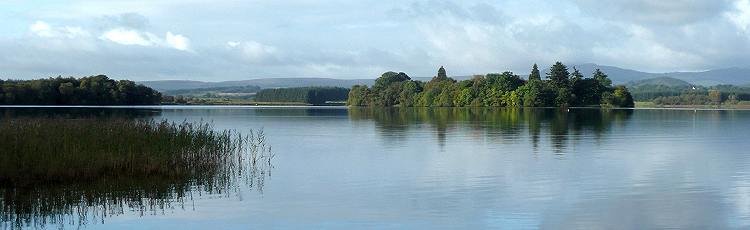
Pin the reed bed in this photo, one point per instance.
(55, 170)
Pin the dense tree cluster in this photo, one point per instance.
(560, 89)
(731, 92)
(185, 100)
(686, 99)
(309, 95)
(650, 92)
(713, 96)
(692, 95)
(94, 90)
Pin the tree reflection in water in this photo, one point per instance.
(502, 124)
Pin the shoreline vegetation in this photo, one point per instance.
(306, 95)
(561, 88)
(292, 96)
(742, 105)
(54, 167)
(668, 92)
(93, 90)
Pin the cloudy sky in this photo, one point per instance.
(230, 40)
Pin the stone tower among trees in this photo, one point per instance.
(441, 75)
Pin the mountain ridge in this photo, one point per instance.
(663, 81)
(733, 75)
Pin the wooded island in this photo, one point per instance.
(561, 88)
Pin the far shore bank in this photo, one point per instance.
(648, 104)
(638, 105)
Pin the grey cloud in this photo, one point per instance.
(481, 12)
(44, 58)
(126, 20)
(654, 12)
(357, 40)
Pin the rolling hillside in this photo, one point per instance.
(734, 76)
(240, 90)
(663, 81)
(168, 85)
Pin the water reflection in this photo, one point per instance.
(63, 182)
(474, 169)
(80, 204)
(77, 112)
(503, 124)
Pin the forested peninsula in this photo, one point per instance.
(94, 90)
(307, 95)
(561, 88)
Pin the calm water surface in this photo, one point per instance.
(339, 168)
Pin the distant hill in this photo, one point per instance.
(241, 90)
(648, 89)
(734, 76)
(662, 81)
(168, 85)
(175, 84)
(617, 74)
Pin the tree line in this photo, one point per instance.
(695, 95)
(93, 90)
(214, 90)
(561, 88)
(712, 96)
(652, 92)
(308, 95)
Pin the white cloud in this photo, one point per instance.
(741, 15)
(641, 48)
(178, 41)
(41, 29)
(129, 37)
(233, 44)
(125, 36)
(254, 52)
(45, 30)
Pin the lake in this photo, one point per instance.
(443, 168)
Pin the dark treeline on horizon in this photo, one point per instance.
(561, 88)
(224, 89)
(308, 95)
(692, 95)
(94, 90)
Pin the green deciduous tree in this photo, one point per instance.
(536, 94)
(390, 77)
(619, 97)
(408, 95)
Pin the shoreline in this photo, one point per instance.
(197, 106)
(651, 105)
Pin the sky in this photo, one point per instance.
(216, 40)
